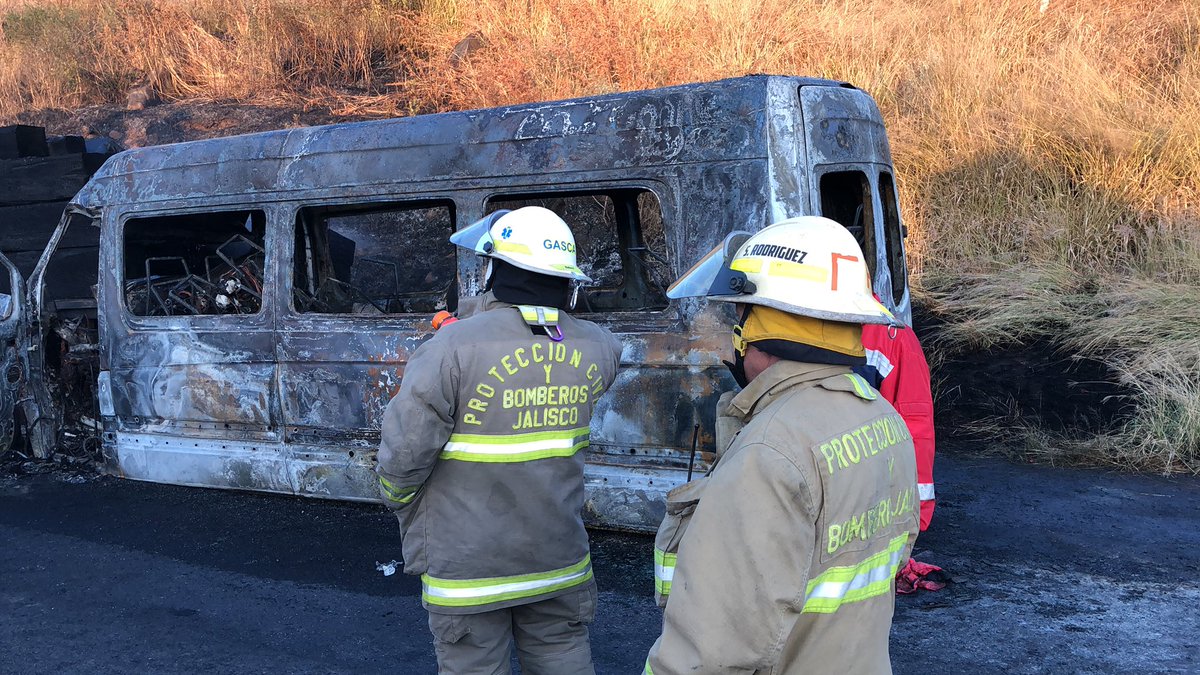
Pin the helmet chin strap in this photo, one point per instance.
(738, 367)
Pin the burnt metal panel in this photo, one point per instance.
(843, 126)
(787, 162)
(708, 122)
(338, 373)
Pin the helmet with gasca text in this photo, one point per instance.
(531, 237)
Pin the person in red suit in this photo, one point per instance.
(896, 366)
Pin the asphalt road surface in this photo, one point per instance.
(1056, 571)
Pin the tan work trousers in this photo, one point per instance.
(551, 637)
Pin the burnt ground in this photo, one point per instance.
(1056, 571)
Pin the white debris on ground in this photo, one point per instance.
(388, 569)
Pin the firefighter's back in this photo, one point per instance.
(859, 458)
(505, 500)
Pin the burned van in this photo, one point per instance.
(259, 296)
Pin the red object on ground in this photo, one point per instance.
(918, 575)
(896, 356)
(443, 318)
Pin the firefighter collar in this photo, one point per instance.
(775, 381)
(544, 317)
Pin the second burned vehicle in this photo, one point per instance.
(258, 296)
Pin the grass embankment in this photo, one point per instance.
(1049, 151)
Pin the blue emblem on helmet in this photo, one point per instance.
(506, 233)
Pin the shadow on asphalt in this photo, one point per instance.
(1055, 570)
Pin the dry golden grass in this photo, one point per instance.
(74, 52)
(1050, 160)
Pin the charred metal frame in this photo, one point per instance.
(12, 365)
(290, 402)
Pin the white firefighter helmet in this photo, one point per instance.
(810, 266)
(531, 237)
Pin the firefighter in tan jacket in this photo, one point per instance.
(788, 562)
(481, 458)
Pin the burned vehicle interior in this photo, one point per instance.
(209, 263)
(374, 259)
(620, 244)
(381, 258)
(847, 196)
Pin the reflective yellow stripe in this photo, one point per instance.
(872, 577)
(398, 494)
(510, 247)
(473, 592)
(664, 571)
(536, 315)
(516, 447)
(781, 268)
(862, 387)
(746, 265)
(793, 270)
(647, 671)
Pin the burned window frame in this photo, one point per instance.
(625, 197)
(118, 248)
(894, 234)
(9, 286)
(375, 204)
(870, 239)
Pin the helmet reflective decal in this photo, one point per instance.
(510, 247)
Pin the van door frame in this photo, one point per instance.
(42, 412)
(12, 354)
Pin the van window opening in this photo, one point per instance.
(894, 232)
(69, 295)
(195, 264)
(846, 198)
(375, 259)
(620, 243)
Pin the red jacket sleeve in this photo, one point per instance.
(907, 387)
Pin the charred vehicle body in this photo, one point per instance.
(258, 296)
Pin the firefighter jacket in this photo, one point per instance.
(481, 456)
(789, 559)
(896, 366)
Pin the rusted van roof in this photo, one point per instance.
(674, 125)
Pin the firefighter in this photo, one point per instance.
(787, 564)
(481, 457)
